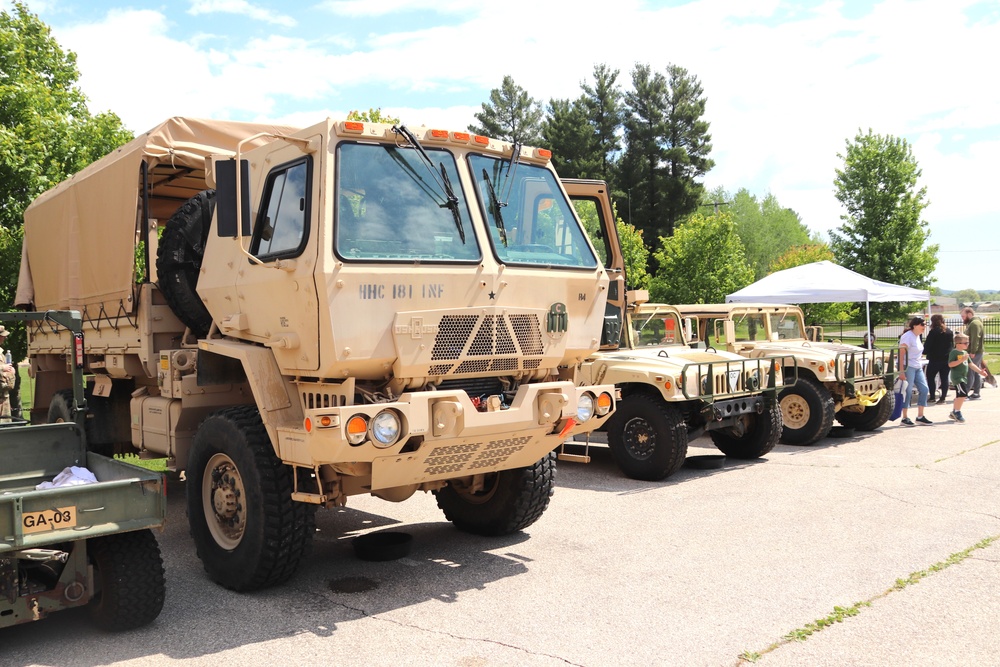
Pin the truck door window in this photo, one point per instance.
(787, 326)
(750, 328)
(391, 207)
(590, 215)
(539, 227)
(281, 227)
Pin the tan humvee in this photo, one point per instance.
(670, 393)
(366, 309)
(848, 382)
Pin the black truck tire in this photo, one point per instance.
(60, 410)
(873, 417)
(178, 260)
(247, 530)
(647, 437)
(129, 586)
(806, 412)
(760, 437)
(511, 500)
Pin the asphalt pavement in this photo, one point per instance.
(878, 549)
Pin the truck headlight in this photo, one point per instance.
(385, 428)
(584, 408)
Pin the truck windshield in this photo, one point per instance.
(536, 226)
(391, 208)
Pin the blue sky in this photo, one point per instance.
(787, 83)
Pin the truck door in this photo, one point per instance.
(593, 205)
(277, 285)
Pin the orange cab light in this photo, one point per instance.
(481, 140)
(357, 425)
(354, 126)
(544, 153)
(461, 136)
(439, 134)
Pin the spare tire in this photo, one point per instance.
(178, 260)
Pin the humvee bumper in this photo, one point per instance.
(443, 434)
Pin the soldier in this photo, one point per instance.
(8, 377)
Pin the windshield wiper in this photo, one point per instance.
(495, 206)
(451, 201)
(515, 159)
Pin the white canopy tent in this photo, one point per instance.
(826, 282)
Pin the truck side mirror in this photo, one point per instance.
(225, 197)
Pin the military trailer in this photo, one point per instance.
(296, 316)
(670, 393)
(835, 381)
(71, 546)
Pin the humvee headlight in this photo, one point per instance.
(357, 429)
(604, 403)
(584, 408)
(385, 428)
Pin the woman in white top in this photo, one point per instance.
(911, 370)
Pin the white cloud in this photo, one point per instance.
(241, 7)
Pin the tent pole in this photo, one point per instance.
(868, 319)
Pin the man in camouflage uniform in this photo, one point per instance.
(8, 377)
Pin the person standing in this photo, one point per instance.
(974, 330)
(959, 362)
(911, 370)
(8, 376)
(940, 340)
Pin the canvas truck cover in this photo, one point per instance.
(80, 236)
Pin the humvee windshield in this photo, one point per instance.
(535, 225)
(391, 207)
(787, 325)
(657, 328)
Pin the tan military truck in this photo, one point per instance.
(296, 316)
(670, 393)
(835, 380)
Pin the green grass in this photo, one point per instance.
(156, 465)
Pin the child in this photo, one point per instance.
(958, 362)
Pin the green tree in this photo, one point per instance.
(701, 263)
(567, 132)
(667, 148)
(966, 296)
(634, 250)
(510, 114)
(883, 235)
(766, 229)
(46, 131)
(372, 116)
(602, 103)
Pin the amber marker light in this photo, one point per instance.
(308, 425)
(357, 429)
(543, 153)
(481, 140)
(604, 402)
(325, 421)
(464, 137)
(353, 126)
(438, 134)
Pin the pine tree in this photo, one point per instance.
(510, 114)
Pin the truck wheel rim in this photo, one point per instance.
(794, 411)
(490, 485)
(639, 438)
(224, 501)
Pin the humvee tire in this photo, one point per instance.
(647, 437)
(178, 260)
(873, 417)
(806, 411)
(761, 436)
(128, 580)
(247, 530)
(511, 501)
